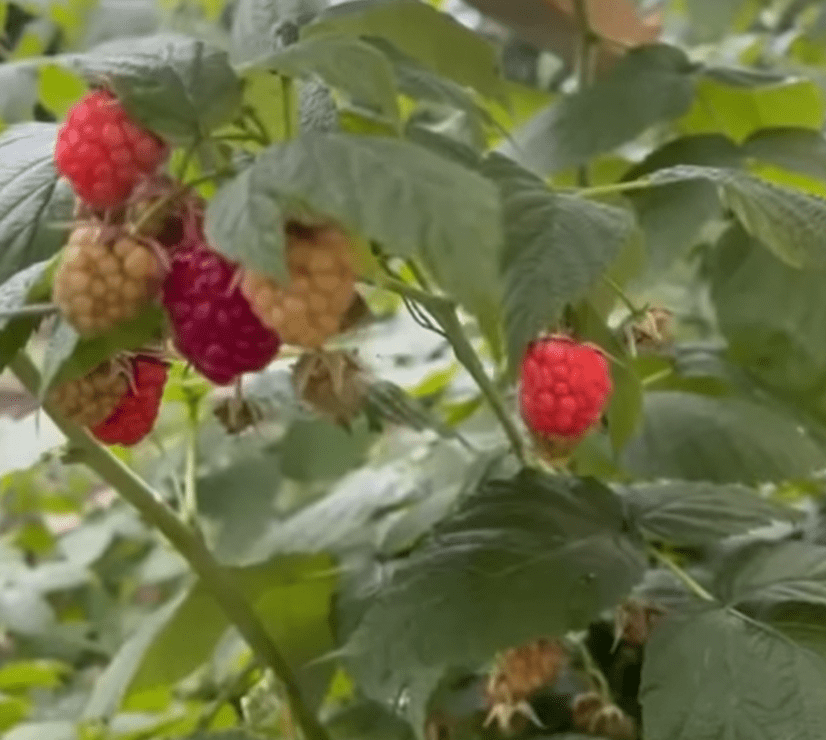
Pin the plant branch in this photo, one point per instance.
(698, 590)
(218, 580)
(443, 310)
(586, 45)
(31, 309)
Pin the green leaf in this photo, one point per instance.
(695, 514)
(261, 26)
(672, 216)
(111, 686)
(393, 192)
(32, 201)
(13, 710)
(390, 402)
(177, 86)
(367, 720)
(556, 247)
(555, 551)
(417, 81)
(292, 596)
(54, 730)
(69, 356)
(796, 149)
(244, 221)
(736, 679)
(20, 675)
(724, 440)
(430, 37)
(648, 85)
(31, 284)
(790, 223)
(345, 63)
(317, 449)
(751, 101)
(771, 314)
(239, 502)
(780, 572)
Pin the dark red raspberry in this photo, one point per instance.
(135, 414)
(565, 386)
(103, 153)
(213, 324)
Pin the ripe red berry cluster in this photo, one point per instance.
(565, 386)
(212, 322)
(141, 239)
(103, 153)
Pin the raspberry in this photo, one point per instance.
(89, 400)
(103, 153)
(565, 386)
(101, 282)
(213, 325)
(135, 414)
(309, 309)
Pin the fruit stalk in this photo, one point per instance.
(444, 312)
(217, 579)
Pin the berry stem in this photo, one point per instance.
(698, 590)
(219, 581)
(32, 309)
(443, 310)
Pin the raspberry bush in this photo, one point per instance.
(369, 374)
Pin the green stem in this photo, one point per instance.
(612, 189)
(287, 97)
(218, 581)
(32, 309)
(584, 64)
(623, 296)
(686, 579)
(443, 311)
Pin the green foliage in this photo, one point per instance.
(32, 202)
(368, 576)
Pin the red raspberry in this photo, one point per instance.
(135, 414)
(565, 386)
(103, 153)
(213, 324)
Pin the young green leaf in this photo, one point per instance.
(31, 284)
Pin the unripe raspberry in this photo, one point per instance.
(612, 723)
(135, 414)
(309, 309)
(333, 384)
(520, 672)
(101, 282)
(585, 708)
(565, 386)
(103, 153)
(89, 400)
(213, 325)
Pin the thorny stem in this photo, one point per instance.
(443, 310)
(684, 577)
(218, 581)
(31, 309)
